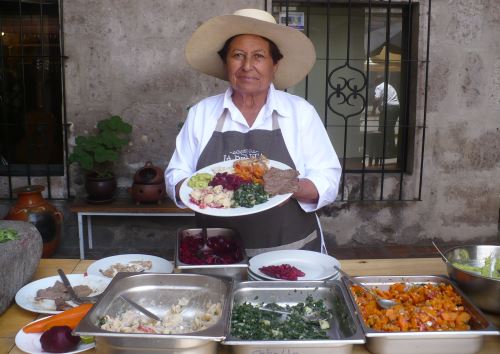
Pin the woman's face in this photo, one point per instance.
(249, 65)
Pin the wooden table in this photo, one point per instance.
(119, 207)
(15, 317)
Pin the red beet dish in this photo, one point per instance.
(282, 271)
(219, 250)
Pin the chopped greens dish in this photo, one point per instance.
(8, 235)
(248, 322)
(249, 195)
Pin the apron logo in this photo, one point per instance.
(242, 154)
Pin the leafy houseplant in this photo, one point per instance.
(96, 153)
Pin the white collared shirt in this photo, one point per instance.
(303, 131)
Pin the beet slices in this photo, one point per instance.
(282, 271)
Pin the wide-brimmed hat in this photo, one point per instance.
(298, 51)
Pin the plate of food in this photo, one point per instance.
(108, 267)
(31, 342)
(49, 295)
(293, 265)
(239, 187)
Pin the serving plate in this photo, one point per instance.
(185, 191)
(25, 297)
(159, 265)
(315, 265)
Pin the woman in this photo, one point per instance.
(251, 118)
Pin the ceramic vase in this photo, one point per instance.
(32, 207)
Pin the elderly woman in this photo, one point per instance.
(253, 118)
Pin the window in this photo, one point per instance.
(31, 118)
(363, 85)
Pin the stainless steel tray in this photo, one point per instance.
(345, 330)
(438, 342)
(237, 271)
(157, 292)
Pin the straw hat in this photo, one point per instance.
(298, 51)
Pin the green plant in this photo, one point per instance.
(96, 153)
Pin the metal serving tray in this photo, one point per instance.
(237, 271)
(345, 330)
(436, 342)
(157, 292)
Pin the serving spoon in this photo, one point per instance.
(384, 303)
(441, 253)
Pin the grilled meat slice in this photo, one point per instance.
(278, 181)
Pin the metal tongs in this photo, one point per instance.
(72, 294)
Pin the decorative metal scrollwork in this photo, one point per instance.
(348, 85)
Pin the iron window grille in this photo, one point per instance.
(358, 42)
(32, 110)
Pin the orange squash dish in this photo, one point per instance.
(421, 308)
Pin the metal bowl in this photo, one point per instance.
(483, 291)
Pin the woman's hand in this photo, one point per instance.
(306, 191)
(177, 189)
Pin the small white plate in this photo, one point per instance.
(30, 343)
(185, 191)
(315, 265)
(159, 265)
(25, 297)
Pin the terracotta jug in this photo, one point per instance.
(32, 207)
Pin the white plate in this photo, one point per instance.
(239, 211)
(25, 297)
(30, 343)
(159, 265)
(315, 265)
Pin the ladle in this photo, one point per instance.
(441, 253)
(384, 303)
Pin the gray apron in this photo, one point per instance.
(283, 227)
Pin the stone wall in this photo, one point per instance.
(126, 57)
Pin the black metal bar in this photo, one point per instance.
(363, 167)
(386, 89)
(306, 88)
(63, 88)
(403, 145)
(425, 99)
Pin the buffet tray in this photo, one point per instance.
(432, 342)
(237, 271)
(344, 332)
(157, 292)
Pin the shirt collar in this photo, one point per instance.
(272, 103)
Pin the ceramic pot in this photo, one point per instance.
(147, 193)
(149, 174)
(33, 208)
(100, 189)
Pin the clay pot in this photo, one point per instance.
(147, 193)
(32, 207)
(100, 189)
(149, 174)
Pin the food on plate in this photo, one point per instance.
(278, 181)
(490, 268)
(252, 169)
(219, 250)
(228, 181)
(422, 308)
(212, 197)
(282, 271)
(70, 318)
(249, 195)
(132, 266)
(175, 321)
(200, 180)
(60, 295)
(248, 322)
(59, 339)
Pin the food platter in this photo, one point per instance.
(315, 265)
(25, 297)
(158, 264)
(185, 190)
(30, 343)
